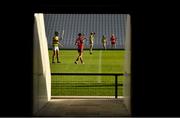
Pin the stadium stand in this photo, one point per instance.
(72, 24)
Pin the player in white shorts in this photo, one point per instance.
(55, 44)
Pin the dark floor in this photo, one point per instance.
(84, 107)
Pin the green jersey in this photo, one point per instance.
(104, 40)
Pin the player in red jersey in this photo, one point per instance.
(113, 41)
(80, 46)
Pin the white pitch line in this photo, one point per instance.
(99, 78)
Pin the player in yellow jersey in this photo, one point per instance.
(55, 44)
(104, 41)
(91, 41)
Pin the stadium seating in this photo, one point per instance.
(72, 24)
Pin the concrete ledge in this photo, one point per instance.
(85, 107)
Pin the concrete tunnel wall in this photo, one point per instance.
(41, 65)
(127, 81)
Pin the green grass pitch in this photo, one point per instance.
(101, 61)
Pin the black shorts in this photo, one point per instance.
(80, 49)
